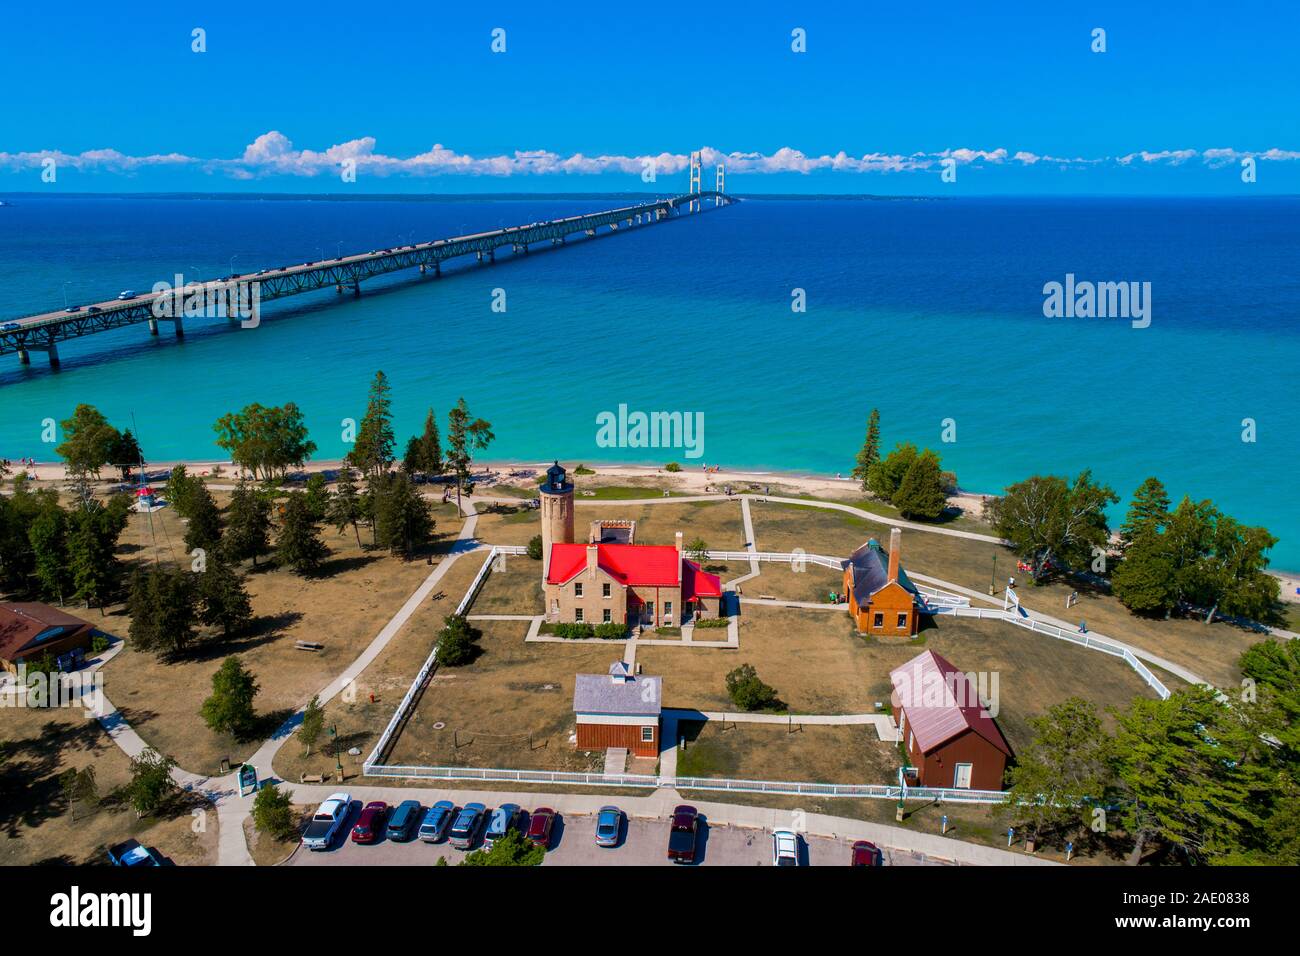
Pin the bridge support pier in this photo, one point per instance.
(24, 357)
(437, 269)
(338, 288)
(153, 326)
(356, 288)
(53, 352)
(421, 268)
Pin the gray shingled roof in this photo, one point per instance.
(870, 565)
(601, 694)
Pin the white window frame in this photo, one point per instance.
(956, 774)
(648, 734)
(607, 590)
(577, 615)
(577, 589)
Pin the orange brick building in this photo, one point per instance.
(881, 598)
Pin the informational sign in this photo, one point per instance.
(247, 779)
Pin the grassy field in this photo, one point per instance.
(516, 590)
(819, 666)
(512, 707)
(35, 821)
(1210, 651)
(343, 609)
(813, 583)
(267, 850)
(807, 752)
(717, 522)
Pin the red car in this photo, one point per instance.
(539, 827)
(866, 853)
(681, 834)
(370, 825)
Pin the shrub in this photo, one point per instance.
(457, 642)
(273, 812)
(99, 643)
(712, 622)
(574, 630)
(673, 467)
(583, 470)
(535, 547)
(611, 630)
(748, 692)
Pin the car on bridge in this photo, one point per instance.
(127, 294)
(10, 327)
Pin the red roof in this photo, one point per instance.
(22, 623)
(940, 703)
(636, 565)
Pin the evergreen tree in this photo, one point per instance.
(162, 609)
(1144, 579)
(223, 600)
(230, 708)
(403, 519)
(1053, 523)
(748, 692)
(1232, 577)
(921, 492)
(1066, 764)
(126, 454)
(248, 525)
(48, 537)
(884, 477)
(870, 451)
(1147, 514)
(203, 530)
(373, 449)
(317, 497)
(511, 850)
(273, 812)
(457, 642)
(180, 490)
(345, 506)
(424, 451)
(1188, 774)
(92, 563)
(299, 545)
(465, 436)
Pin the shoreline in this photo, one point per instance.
(690, 480)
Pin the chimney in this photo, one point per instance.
(592, 553)
(895, 552)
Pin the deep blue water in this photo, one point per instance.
(927, 309)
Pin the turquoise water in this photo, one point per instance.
(929, 310)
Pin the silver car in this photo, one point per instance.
(609, 823)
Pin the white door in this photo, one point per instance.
(961, 779)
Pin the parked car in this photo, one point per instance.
(127, 294)
(504, 818)
(402, 824)
(866, 853)
(131, 853)
(437, 819)
(540, 825)
(681, 834)
(609, 823)
(370, 824)
(464, 831)
(785, 848)
(326, 821)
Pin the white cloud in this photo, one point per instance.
(274, 154)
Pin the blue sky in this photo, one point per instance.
(600, 87)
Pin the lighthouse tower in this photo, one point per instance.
(557, 513)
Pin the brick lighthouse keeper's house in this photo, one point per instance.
(612, 579)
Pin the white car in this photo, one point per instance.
(785, 848)
(326, 822)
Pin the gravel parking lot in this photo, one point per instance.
(644, 843)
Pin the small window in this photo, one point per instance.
(668, 608)
(605, 590)
(577, 589)
(647, 735)
(577, 615)
(606, 616)
(902, 621)
(878, 620)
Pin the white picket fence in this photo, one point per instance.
(370, 765)
(1061, 634)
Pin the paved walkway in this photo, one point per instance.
(883, 723)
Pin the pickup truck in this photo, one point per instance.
(681, 834)
(326, 822)
(785, 848)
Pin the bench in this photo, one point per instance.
(311, 778)
(308, 646)
(767, 597)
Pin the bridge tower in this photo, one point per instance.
(697, 170)
(722, 179)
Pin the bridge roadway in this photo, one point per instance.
(43, 332)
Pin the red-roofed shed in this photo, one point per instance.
(950, 736)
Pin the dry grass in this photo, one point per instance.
(516, 590)
(512, 707)
(819, 666)
(803, 752)
(343, 609)
(1210, 651)
(717, 522)
(268, 850)
(38, 745)
(814, 583)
